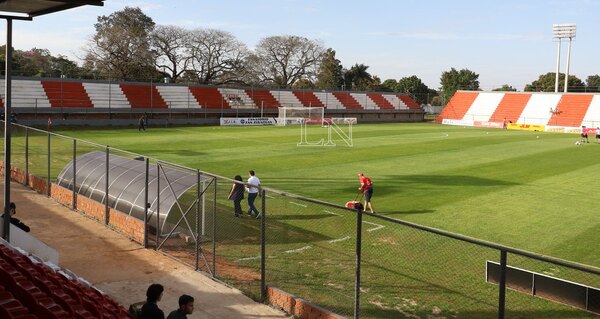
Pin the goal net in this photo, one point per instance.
(299, 115)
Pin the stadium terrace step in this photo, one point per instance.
(308, 98)
(571, 110)
(348, 101)
(458, 106)
(143, 96)
(263, 98)
(66, 94)
(209, 97)
(287, 98)
(510, 107)
(381, 102)
(410, 103)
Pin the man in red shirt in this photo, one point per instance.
(366, 186)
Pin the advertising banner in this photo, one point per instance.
(487, 124)
(247, 121)
(457, 122)
(525, 127)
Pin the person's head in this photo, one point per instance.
(154, 293)
(583, 126)
(12, 208)
(361, 174)
(238, 178)
(186, 304)
(251, 172)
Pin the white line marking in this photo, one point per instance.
(248, 258)
(298, 204)
(269, 196)
(332, 213)
(375, 228)
(297, 250)
(339, 239)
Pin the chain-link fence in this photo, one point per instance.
(351, 263)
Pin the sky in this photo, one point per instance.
(505, 42)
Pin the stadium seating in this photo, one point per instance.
(263, 98)
(458, 105)
(287, 98)
(209, 97)
(510, 107)
(237, 98)
(143, 96)
(308, 98)
(37, 291)
(592, 116)
(409, 102)
(380, 101)
(106, 95)
(483, 107)
(177, 97)
(66, 94)
(570, 110)
(347, 100)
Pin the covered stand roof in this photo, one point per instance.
(27, 9)
(127, 180)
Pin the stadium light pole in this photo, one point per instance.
(563, 31)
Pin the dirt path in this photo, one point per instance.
(122, 268)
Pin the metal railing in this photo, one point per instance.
(353, 263)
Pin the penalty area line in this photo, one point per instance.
(374, 228)
(338, 240)
(332, 213)
(298, 204)
(248, 258)
(298, 250)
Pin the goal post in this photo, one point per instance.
(289, 115)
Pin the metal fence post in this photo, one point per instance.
(263, 250)
(197, 218)
(502, 285)
(157, 205)
(146, 204)
(26, 156)
(74, 174)
(359, 213)
(214, 234)
(106, 208)
(48, 173)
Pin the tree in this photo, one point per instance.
(593, 83)
(389, 85)
(506, 88)
(454, 80)
(169, 44)
(331, 72)
(283, 60)
(216, 56)
(357, 78)
(546, 82)
(415, 87)
(120, 48)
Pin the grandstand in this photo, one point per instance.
(69, 101)
(551, 111)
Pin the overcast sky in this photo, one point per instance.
(505, 42)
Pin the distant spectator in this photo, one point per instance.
(236, 195)
(13, 117)
(142, 123)
(597, 134)
(504, 124)
(150, 309)
(253, 184)
(186, 307)
(12, 209)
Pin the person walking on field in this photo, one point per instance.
(253, 184)
(236, 195)
(366, 186)
(584, 134)
(142, 123)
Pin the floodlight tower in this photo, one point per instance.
(563, 31)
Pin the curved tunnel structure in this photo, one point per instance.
(127, 182)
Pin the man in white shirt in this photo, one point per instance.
(253, 184)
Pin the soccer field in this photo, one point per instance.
(528, 190)
(509, 187)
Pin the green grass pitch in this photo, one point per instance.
(530, 190)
